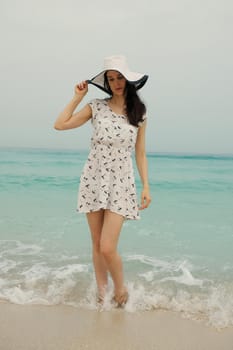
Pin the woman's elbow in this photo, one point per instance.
(140, 154)
(58, 126)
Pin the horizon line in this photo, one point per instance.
(87, 150)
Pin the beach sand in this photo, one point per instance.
(67, 328)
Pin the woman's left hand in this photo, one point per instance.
(145, 198)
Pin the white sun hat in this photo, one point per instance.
(119, 64)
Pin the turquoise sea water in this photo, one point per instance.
(178, 256)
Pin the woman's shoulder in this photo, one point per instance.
(97, 101)
(98, 105)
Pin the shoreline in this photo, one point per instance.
(29, 327)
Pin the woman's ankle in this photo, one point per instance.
(120, 291)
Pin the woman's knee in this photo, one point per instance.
(107, 250)
(96, 247)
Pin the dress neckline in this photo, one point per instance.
(117, 114)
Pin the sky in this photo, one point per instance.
(185, 47)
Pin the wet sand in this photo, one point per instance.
(66, 328)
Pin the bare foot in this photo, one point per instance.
(121, 298)
(101, 295)
(100, 299)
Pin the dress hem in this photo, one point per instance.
(112, 210)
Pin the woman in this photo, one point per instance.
(107, 191)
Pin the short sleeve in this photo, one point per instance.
(144, 118)
(92, 104)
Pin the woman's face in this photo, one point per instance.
(116, 82)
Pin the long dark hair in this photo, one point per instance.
(135, 108)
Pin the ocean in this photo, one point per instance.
(178, 256)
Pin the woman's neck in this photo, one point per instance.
(117, 104)
(118, 101)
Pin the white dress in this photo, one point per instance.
(107, 180)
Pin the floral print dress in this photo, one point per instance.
(107, 180)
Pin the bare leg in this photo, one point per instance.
(108, 246)
(95, 221)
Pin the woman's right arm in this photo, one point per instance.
(67, 119)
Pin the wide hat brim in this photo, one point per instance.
(136, 79)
